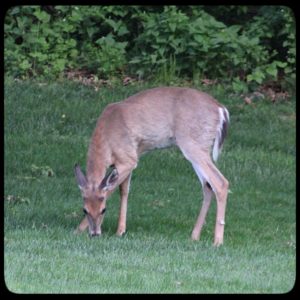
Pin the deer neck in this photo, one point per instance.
(99, 159)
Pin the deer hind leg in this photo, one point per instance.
(207, 196)
(219, 185)
(208, 172)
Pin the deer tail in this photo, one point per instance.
(221, 132)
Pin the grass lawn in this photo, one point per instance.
(47, 130)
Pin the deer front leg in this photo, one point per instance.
(124, 191)
(82, 226)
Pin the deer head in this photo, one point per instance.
(94, 197)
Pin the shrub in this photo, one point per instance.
(41, 44)
(239, 44)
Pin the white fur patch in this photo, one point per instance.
(223, 115)
(200, 173)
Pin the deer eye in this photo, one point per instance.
(85, 211)
(103, 211)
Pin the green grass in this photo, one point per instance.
(49, 126)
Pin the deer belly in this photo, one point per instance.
(155, 142)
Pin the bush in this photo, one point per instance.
(243, 45)
(239, 54)
(38, 43)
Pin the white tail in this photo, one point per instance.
(155, 118)
(221, 132)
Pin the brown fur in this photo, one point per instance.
(156, 118)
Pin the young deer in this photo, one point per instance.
(154, 118)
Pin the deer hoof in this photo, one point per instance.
(218, 242)
(121, 232)
(195, 236)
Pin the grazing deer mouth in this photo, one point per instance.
(94, 230)
(94, 233)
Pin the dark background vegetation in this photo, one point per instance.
(243, 46)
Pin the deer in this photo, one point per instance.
(155, 118)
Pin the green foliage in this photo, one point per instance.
(41, 44)
(279, 53)
(239, 54)
(244, 45)
(33, 47)
(289, 44)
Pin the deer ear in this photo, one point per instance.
(109, 181)
(81, 180)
